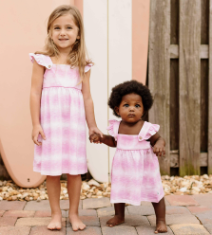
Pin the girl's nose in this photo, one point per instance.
(62, 32)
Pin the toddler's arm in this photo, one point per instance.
(158, 144)
(106, 139)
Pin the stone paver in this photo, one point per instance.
(199, 209)
(44, 205)
(175, 219)
(208, 227)
(204, 199)
(1, 213)
(87, 212)
(146, 204)
(6, 221)
(181, 200)
(170, 210)
(205, 218)
(88, 221)
(37, 206)
(18, 213)
(119, 230)
(141, 210)
(48, 214)
(148, 230)
(130, 220)
(35, 222)
(107, 211)
(186, 215)
(188, 229)
(94, 203)
(14, 230)
(43, 214)
(87, 231)
(42, 230)
(12, 205)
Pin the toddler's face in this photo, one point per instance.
(64, 32)
(131, 108)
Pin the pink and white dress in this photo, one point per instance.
(135, 175)
(62, 117)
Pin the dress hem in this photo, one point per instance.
(135, 203)
(59, 174)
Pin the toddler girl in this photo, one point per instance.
(61, 103)
(135, 173)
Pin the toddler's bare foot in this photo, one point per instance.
(161, 227)
(76, 223)
(56, 222)
(116, 220)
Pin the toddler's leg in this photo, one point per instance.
(53, 188)
(160, 212)
(74, 188)
(119, 215)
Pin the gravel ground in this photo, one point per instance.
(188, 185)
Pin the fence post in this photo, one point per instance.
(159, 73)
(189, 87)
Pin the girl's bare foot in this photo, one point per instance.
(76, 223)
(161, 227)
(56, 222)
(116, 220)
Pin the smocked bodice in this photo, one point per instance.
(58, 75)
(133, 142)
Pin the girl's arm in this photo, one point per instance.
(89, 108)
(35, 99)
(158, 144)
(105, 139)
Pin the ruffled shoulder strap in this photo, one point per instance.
(148, 130)
(88, 67)
(43, 60)
(113, 128)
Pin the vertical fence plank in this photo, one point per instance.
(159, 72)
(189, 100)
(210, 94)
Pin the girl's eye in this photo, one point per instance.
(137, 105)
(126, 105)
(56, 28)
(69, 27)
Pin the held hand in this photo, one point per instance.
(95, 130)
(35, 133)
(94, 138)
(159, 150)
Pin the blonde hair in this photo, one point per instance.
(77, 56)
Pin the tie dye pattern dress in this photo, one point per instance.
(135, 174)
(62, 117)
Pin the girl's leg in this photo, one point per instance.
(74, 188)
(119, 215)
(53, 188)
(160, 212)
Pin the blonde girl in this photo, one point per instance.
(61, 104)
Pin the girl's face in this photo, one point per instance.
(64, 32)
(131, 108)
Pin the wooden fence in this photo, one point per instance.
(179, 76)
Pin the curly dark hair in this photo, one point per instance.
(130, 87)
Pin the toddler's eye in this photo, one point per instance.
(69, 27)
(126, 105)
(137, 105)
(56, 28)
